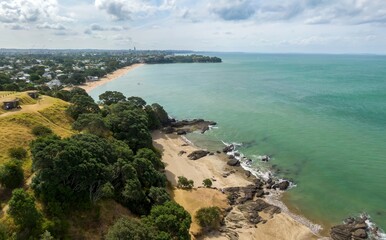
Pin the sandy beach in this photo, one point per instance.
(109, 77)
(276, 227)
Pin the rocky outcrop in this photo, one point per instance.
(198, 154)
(233, 162)
(168, 130)
(228, 148)
(281, 185)
(193, 125)
(352, 229)
(181, 132)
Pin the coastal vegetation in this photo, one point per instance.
(209, 218)
(103, 153)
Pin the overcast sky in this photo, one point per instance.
(308, 26)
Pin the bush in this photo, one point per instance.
(18, 153)
(207, 183)
(209, 218)
(11, 175)
(40, 131)
(130, 229)
(3, 232)
(183, 182)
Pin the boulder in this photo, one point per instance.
(204, 129)
(341, 232)
(181, 132)
(181, 153)
(282, 185)
(233, 162)
(197, 154)
(359, 234)
(259, 193)
(229, 148)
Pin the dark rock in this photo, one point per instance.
(237, 154)
(229, 148)
(359, 234)
(218, 152)
(265, 158)
(231, 157)
(185, 145)
(197, 154)
(259, 193)
(181, 153)
(248, 174)
(168, 130)
(271, 210)
(211, 153)
(206, 128)
(341, 232)
(360, 226)
(181, 132)
(269, 180)
(282, 185)
(233, 162)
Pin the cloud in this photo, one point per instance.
(121, 10)
(98, 28)
(51, 26)
(17, 27)
(235, 10)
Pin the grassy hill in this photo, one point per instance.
(16, 125)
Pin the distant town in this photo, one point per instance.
(22, 70)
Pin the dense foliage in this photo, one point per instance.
(24, 213)
(41, 130)
(185, 183)
(17, 153)
(207, 183)
(11, 174)
(209, 218)
(165, 222)
(111, 158)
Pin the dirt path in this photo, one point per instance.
(42, 103)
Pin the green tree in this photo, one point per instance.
(209, 218)
(91, 123)
(18, 153)
(23, 211)
(130, 126)
(3, 232)
(137, 101)
(131, 229)
(151, 156)
(46, 236)
(111, 97)
(183, 182)
(11, 174)
(158, 195)
(207, 183)
(153, 120)
(41, 130)
(171, 221)
(162, 115)
(82, 104)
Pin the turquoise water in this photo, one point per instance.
(322, 117)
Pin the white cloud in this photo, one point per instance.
(54, 26)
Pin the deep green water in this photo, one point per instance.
(322, 117)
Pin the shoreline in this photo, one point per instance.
(279, 226)
(88, 87)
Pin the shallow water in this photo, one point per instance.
(321, 117)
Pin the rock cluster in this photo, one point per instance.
(352, 229)
(197, 154)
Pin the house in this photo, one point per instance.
(92, 78)
(33, 94)
(11, 104)
(54, 83)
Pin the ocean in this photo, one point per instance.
(322, 118)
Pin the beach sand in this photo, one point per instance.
(109, 77)
(280, 226)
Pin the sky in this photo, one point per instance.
(266, 26)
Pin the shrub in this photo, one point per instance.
(40, 131)
(11, 175)
(209, 218)
(17, 153)
(207, 183)
(130, 229)
(183, 182)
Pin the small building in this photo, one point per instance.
(92, 78)
(54, 83)
(33, 94)
(11, 104)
